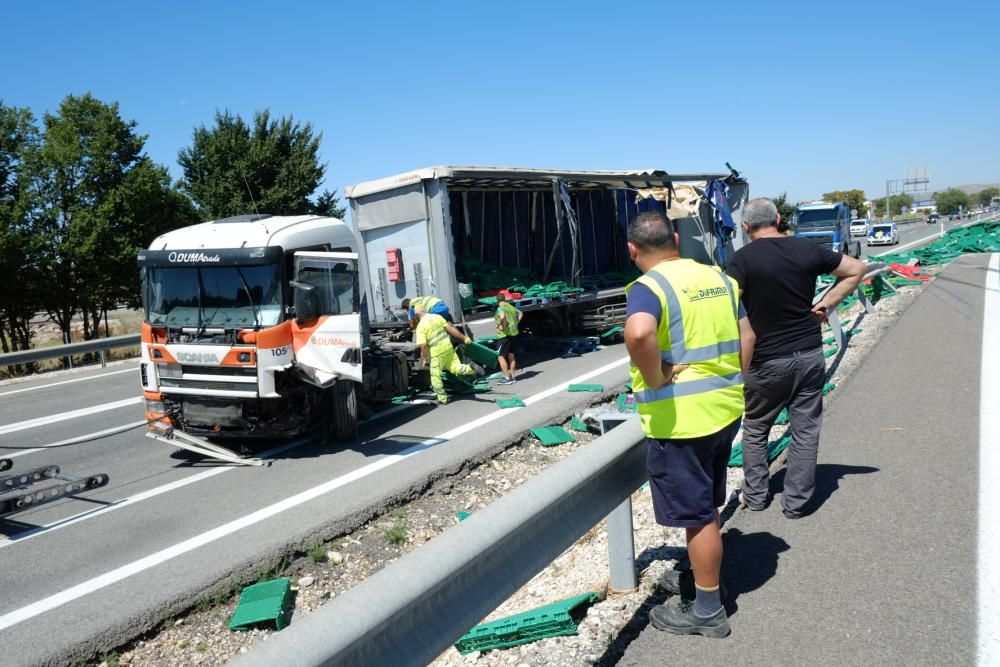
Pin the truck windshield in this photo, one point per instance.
(214, 296)
(813, 219)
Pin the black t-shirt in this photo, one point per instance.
(778, 277)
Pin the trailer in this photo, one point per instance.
(428, 231)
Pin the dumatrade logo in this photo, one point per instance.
(200, 257)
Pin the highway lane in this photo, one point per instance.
(117, 566)
(908, 233)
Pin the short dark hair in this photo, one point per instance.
(405, 305)
(652, 231)
(501, 297)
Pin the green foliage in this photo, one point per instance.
(855, 200)
(986, 195)
(268, 165)
(785, 209)
(19, 277)
(950, 200)
(896, 204)
(317, 554)
(99, 199)
(395, 534)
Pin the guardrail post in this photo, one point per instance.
(621, 533)
(863, 298)
(104, 361)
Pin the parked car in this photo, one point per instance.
(955, 216)
(933, 218)
(859, 227)
(884, 233)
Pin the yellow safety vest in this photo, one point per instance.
(431, 332)
(511, 314)
(699, 327)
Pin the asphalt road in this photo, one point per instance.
(885, 571)
(82, 574)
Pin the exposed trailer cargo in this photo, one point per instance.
(426, 231)
(271, 326)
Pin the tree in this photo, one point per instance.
(986, 195)
(18, 250)
(855, 200)
(275, 161)
(328, 204)
(950, 200)
(786, 210)
(896, 204)
(100, 199)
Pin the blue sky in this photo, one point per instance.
(800, 96)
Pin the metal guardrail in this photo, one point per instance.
(412, 610)
(99, 345)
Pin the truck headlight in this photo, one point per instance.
(169, 370)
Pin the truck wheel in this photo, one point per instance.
(345, 410)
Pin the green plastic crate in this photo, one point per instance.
(514, 402)
(552, 435)
(552, 620)
(626, 403)
(462, 516)
(578, 425)
(829, 353)
(482, 355)
(586, 387)
(266, 602)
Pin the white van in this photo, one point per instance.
(859, 227)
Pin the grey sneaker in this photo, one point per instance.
(681, 582)
(505, 381)
(680, 619)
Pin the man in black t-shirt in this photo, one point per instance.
(777, 276)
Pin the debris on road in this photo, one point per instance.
(553, 620)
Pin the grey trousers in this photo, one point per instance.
(796, 382)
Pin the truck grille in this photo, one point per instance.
(182, 383)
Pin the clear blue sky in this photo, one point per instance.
(800, 96)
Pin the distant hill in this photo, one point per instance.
(973, 188)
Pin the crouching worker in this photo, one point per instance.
(433, 335)
(430, 304)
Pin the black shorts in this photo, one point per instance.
(508, 345)
(687, 477)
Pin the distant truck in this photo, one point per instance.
(272, 326)
(828, 224)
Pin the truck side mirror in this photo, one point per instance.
(304, 301)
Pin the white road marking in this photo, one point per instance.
(78, 439)
(988, 570)
(145, 495)
(152, 493)
(56, 384)
(65, 416)
(135, 567)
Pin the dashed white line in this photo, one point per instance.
(56, 384)
(988, 570)
(135, 567)
(65, 416)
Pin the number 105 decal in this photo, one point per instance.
(279, 351)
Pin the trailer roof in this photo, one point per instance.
(514, 177)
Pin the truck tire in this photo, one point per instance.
(344, 397)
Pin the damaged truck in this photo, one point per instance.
(261, 326)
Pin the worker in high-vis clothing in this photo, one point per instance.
(687, 338)
(508, 320)
(431, 304)
(433, 335)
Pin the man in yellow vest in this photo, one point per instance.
(433, 335)
(684, 331)
(508, 321)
